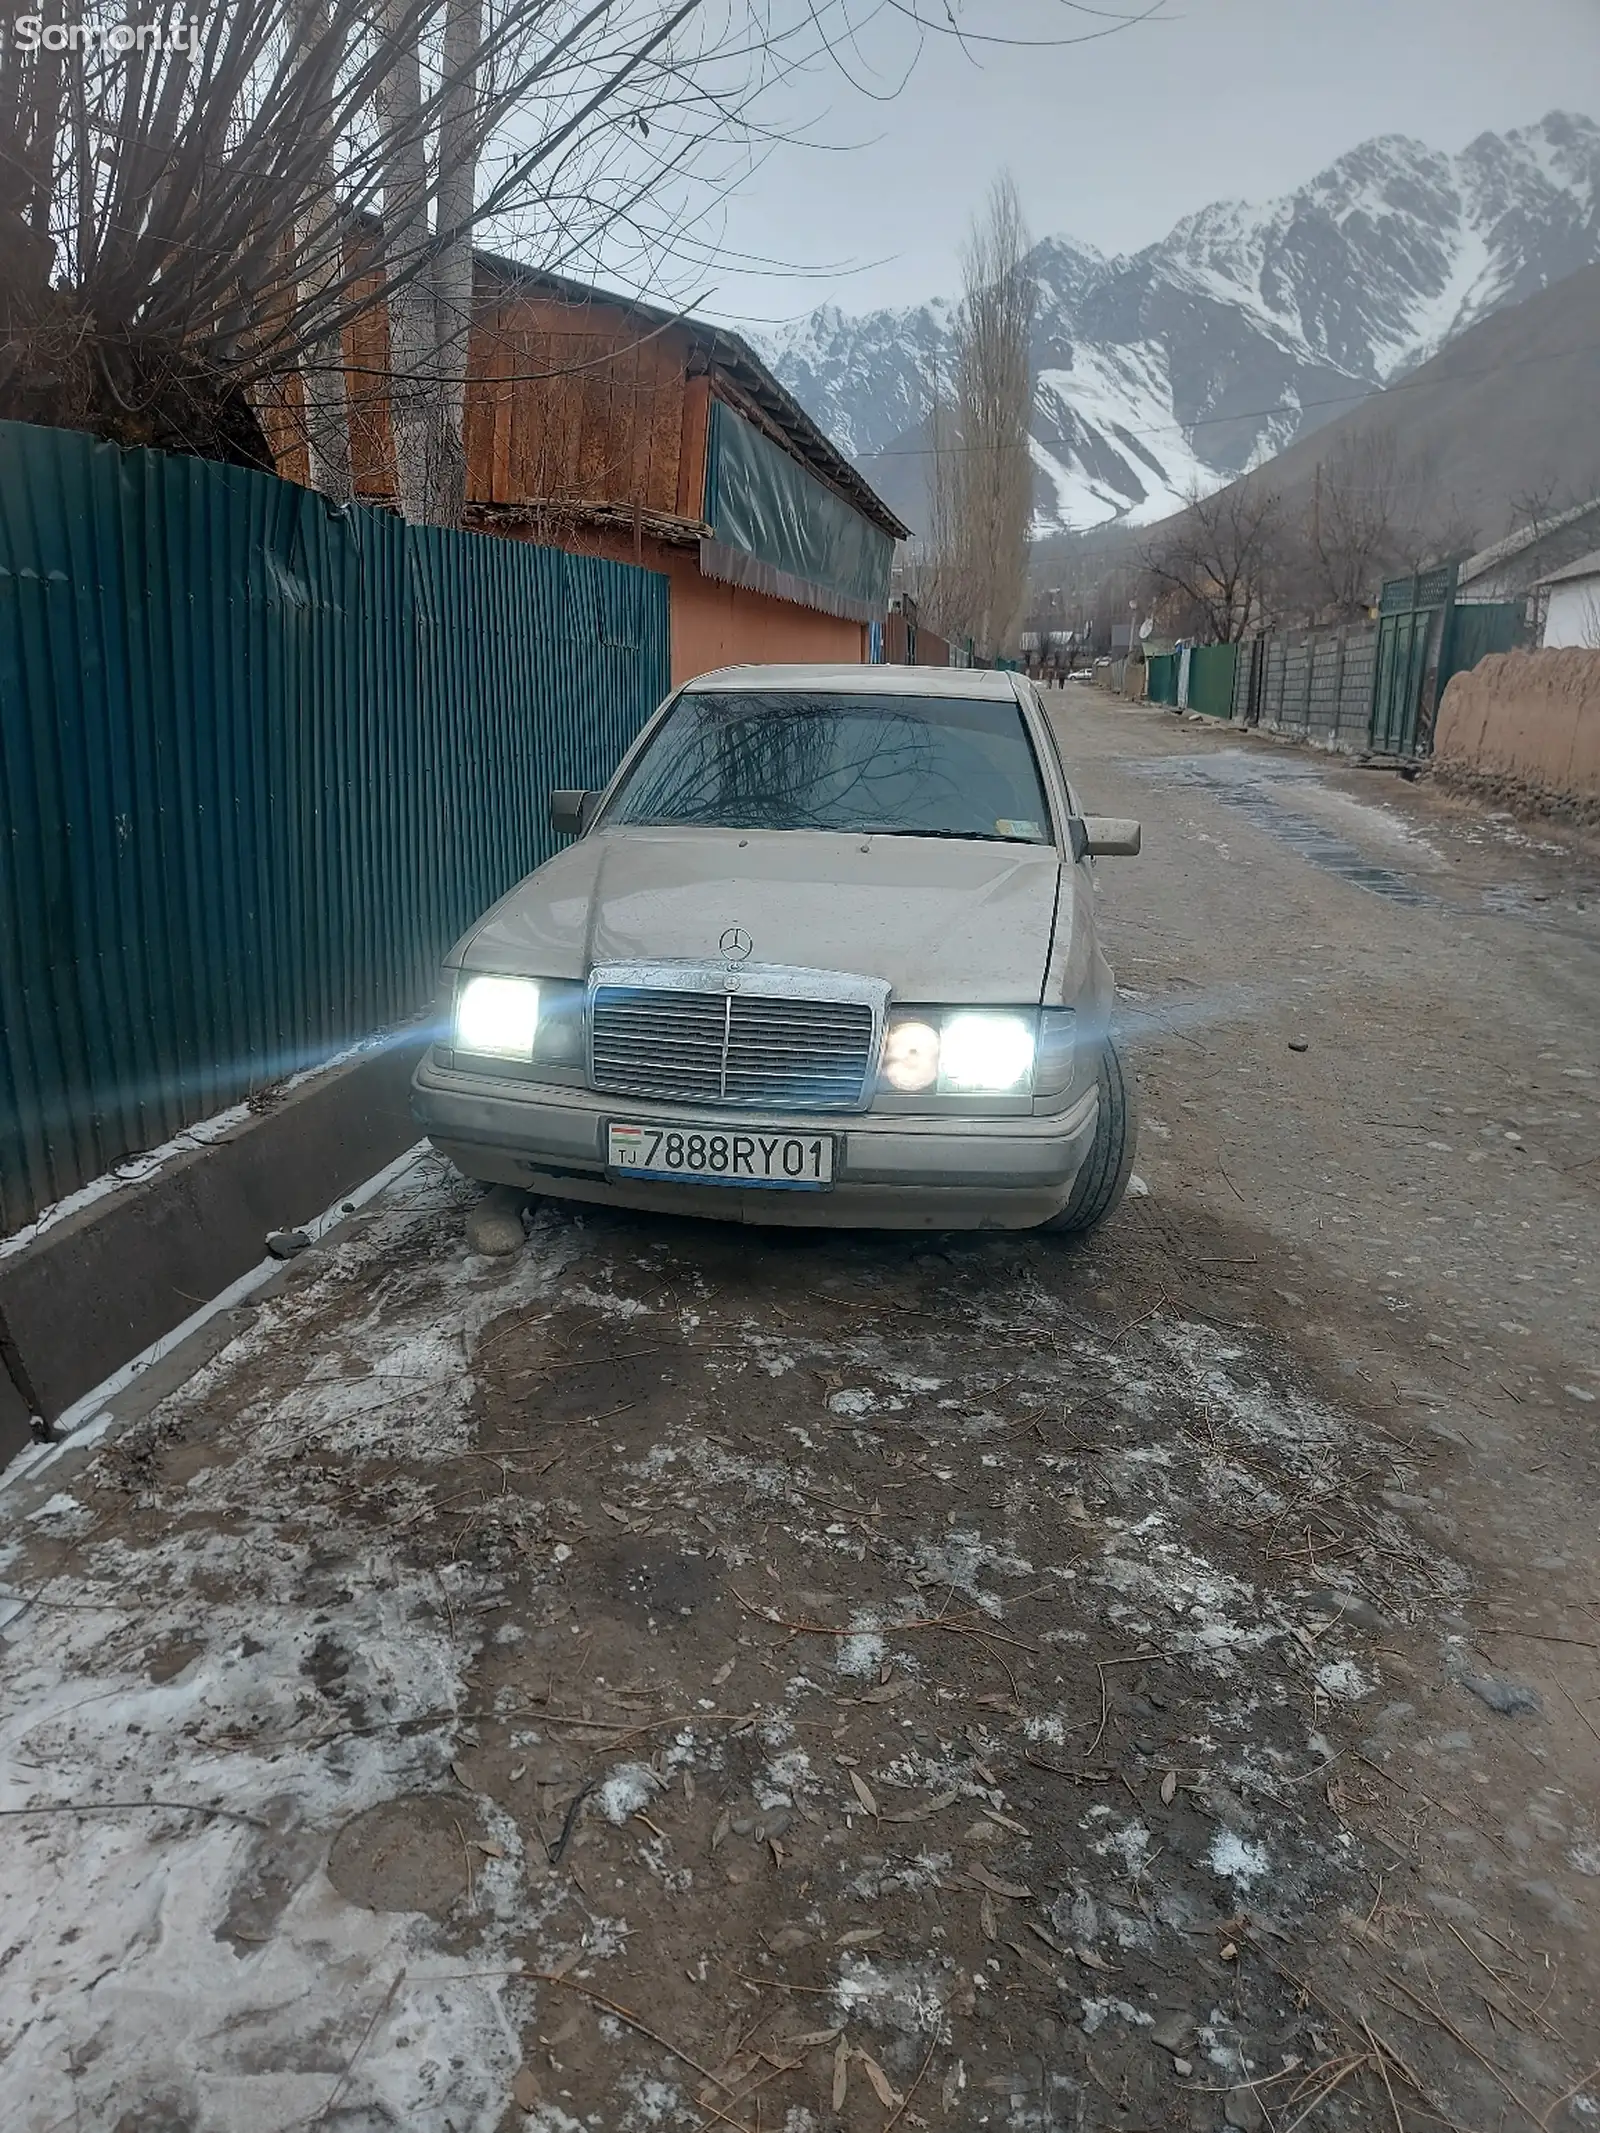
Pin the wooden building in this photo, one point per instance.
(607, 426)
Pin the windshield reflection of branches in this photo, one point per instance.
(814, 768)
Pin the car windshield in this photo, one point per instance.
(914, 766)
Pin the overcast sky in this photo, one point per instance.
(1114, 140)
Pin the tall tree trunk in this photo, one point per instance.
(452, 277)
(982, 490)
(413, 339)
(320, 252)
(325, 399)
(994, 388)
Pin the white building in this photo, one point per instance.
(1573, 614)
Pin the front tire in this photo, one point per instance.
(1103, 1179)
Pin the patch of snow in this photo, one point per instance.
(879, 1878)
(60, 1510)
(628, 1788)
(1237, 1860)
(1096, 2013)
(1114, 404)
(906, 1997)
(653, 2103)
(607, 1301)
(194, 1935)
(177, 2010)
(1131, 1843)
(852, 1400)
(1344, 1679)
(784, 1779)
(1434, 318)
(959, 1558)
(861, 1654)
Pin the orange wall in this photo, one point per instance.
(717, 625)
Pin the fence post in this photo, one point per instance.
(1338, 688)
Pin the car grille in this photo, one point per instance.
(767, 1051)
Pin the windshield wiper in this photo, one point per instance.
(966, 836)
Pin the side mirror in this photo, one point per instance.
(1108, 837)
(569, 810)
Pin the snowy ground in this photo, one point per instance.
(687, 1678)
(922, 1661)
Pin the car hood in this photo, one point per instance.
(940, 919)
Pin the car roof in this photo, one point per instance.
(968, 682)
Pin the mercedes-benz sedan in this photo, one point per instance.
(823, 952)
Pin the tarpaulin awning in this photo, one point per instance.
(777, 529)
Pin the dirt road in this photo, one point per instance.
(697, 1678)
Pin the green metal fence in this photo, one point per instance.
(1478, 627)
(259, 763)
(1161, 679)
(1211, 679)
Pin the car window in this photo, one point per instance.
(892, 765)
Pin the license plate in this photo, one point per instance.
(713, 1155)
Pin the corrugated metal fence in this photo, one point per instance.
(1198, 678)
(259, 764)
(1211, 672)
(1320, 685)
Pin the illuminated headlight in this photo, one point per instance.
(986, 1054)
(965, 1052)
(911, 1056)
(497, 1018)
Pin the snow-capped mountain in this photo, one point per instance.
(1242, 329)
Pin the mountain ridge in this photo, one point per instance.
(1240, 331)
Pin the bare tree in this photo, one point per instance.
(1377, 509)
(983, 468)
(1219, 564)
(1533, 507)
(190, 228)
(1358, 496)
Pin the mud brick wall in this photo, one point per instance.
(1527, 721)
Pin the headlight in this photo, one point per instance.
(537, 1021)
(911, 1056)
(988, 1053)
(497, 1017)
(964, 1052)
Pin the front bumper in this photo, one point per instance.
(891, 1172)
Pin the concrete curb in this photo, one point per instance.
(96, 1289)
